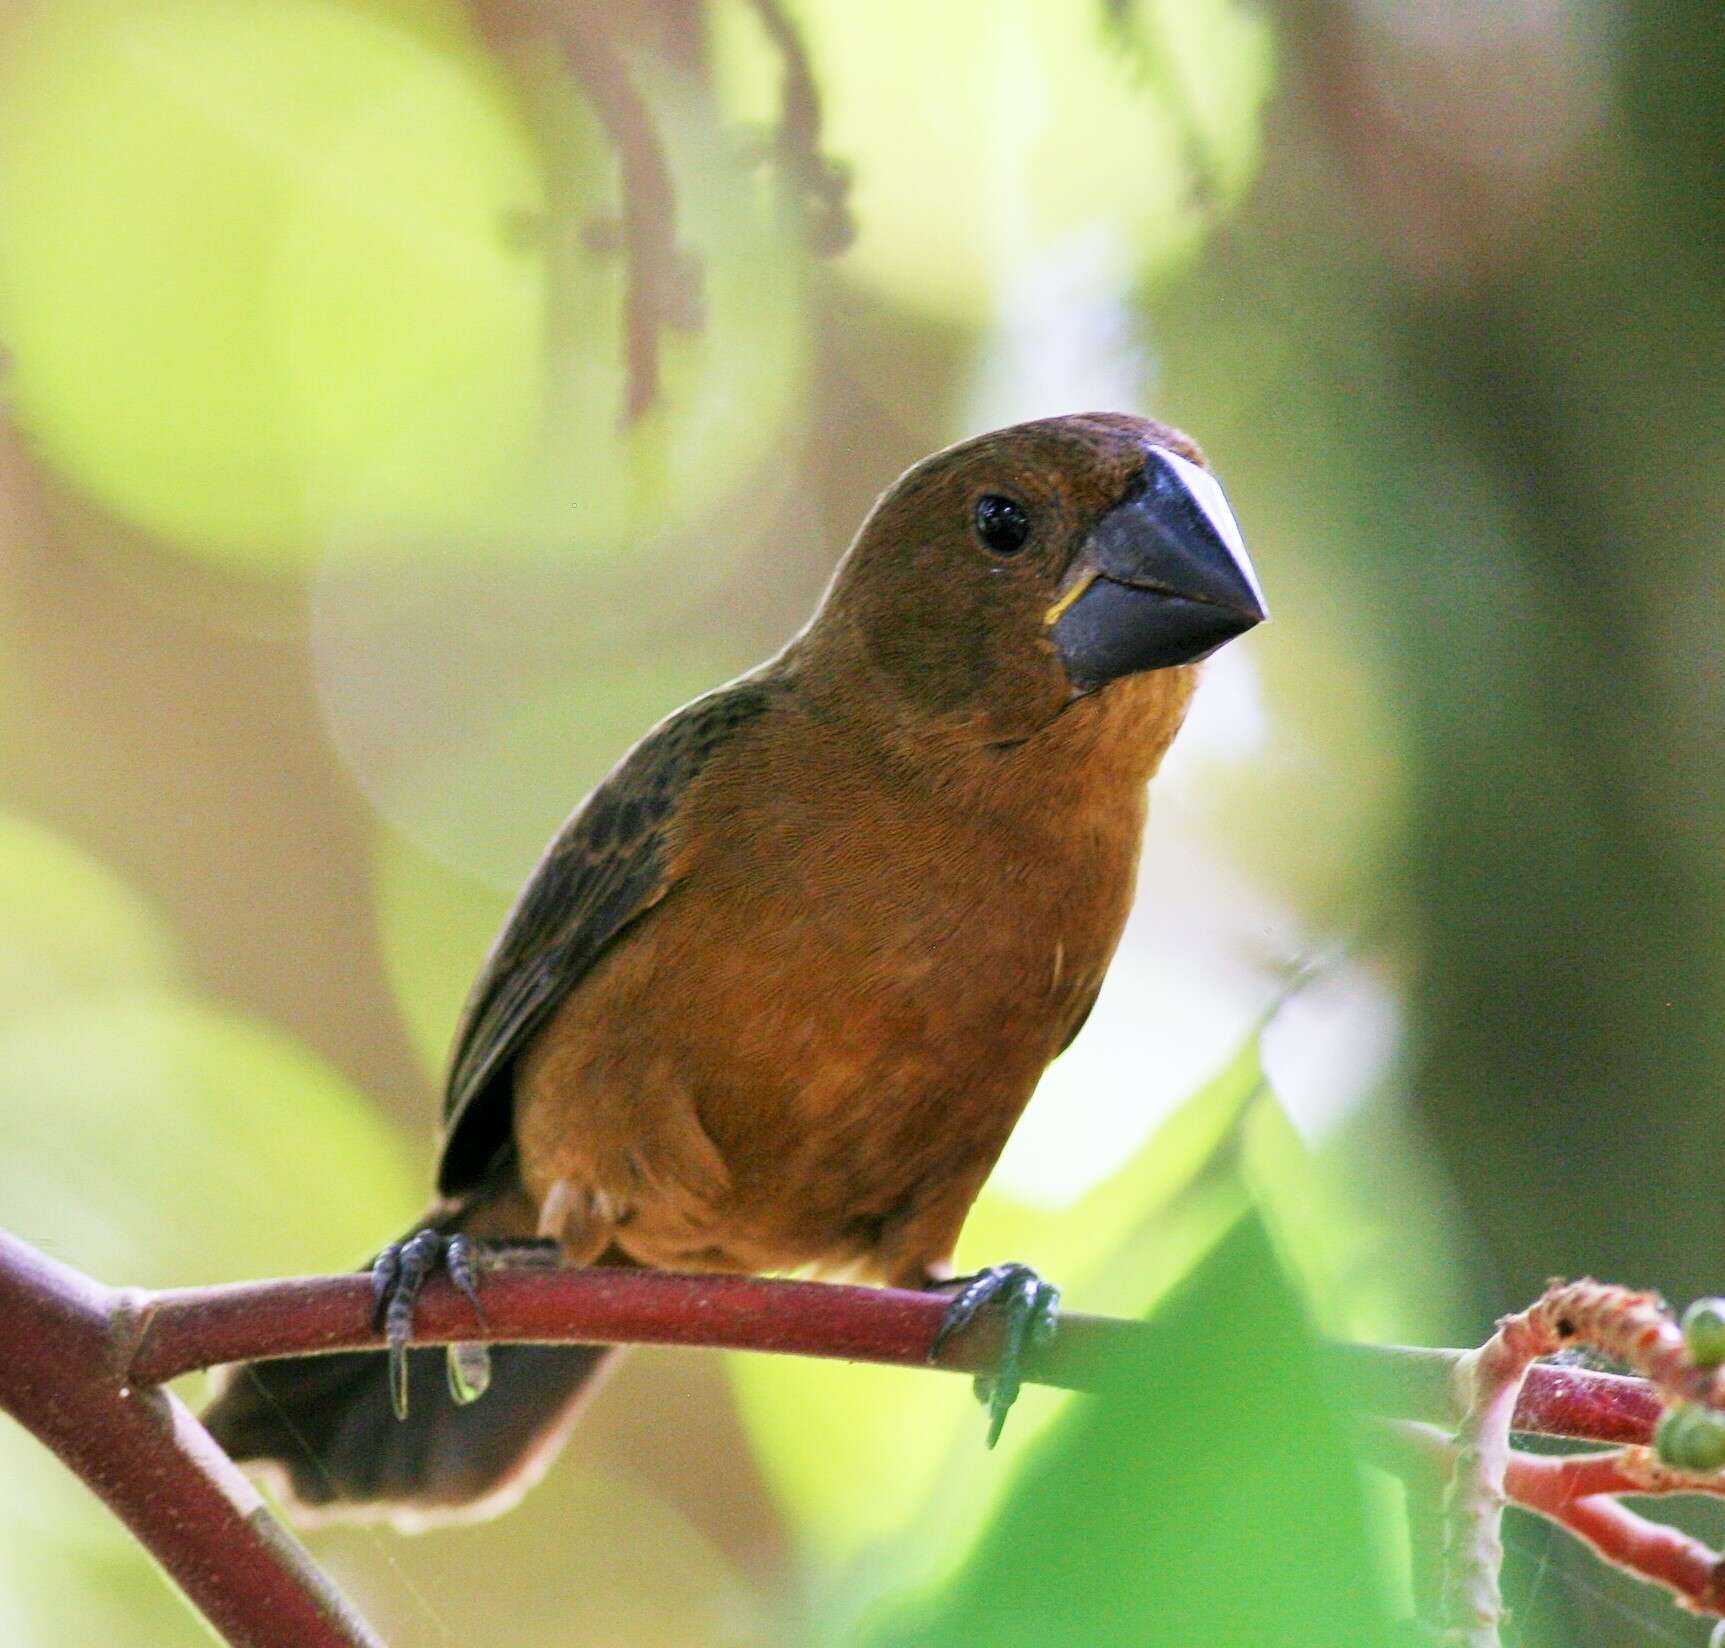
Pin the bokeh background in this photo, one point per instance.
(331, 576)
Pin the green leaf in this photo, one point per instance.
(1209, 1498)
(905, 1477)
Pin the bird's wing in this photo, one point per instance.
(608, 866)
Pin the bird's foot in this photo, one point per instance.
(1031, 1307)
(400, 1272)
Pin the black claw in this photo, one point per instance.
(384, 1270)
(398, 1274)
(460, 1262)
(1031, 1306)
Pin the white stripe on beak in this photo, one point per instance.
(1207, 493)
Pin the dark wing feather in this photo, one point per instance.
(1083, 1019)
(608, 865)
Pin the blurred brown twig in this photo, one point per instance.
(820, 185)
(664, 282)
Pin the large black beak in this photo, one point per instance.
(1163, 579)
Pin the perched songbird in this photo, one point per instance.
(779, 990)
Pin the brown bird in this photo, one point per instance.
(779, 990)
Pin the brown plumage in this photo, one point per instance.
(779, 991)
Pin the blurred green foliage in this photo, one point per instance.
(1031, 142)
(68, 925)
(1210, 1496)
(331, 578)
(283, 361)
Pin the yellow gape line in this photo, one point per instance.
(1055, 612)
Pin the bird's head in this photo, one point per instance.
(1002, 582)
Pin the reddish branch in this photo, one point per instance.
(83, 1365)
(64, 1375)
(1556, 1400)
(184, 1329)
(83, 1368)
(1581, 1494)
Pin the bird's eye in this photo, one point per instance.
(1003, 524)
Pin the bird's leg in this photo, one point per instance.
(400, 1272)
(1031, 1308)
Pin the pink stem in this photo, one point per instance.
(190, 1328)
(84, 1363)
(62, 1376)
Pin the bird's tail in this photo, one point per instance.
(326, 1431)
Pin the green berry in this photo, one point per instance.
(1692, 1438)
(1704, 1332)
